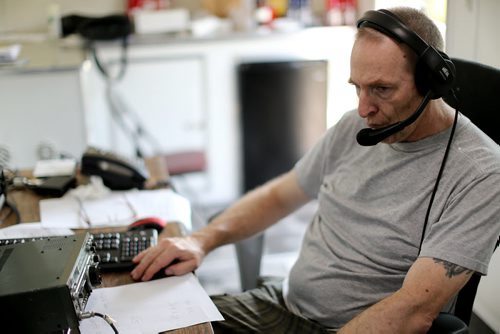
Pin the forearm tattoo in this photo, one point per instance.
(452, 269)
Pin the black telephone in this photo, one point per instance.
(117, 173)
(97, 28)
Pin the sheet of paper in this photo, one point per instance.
(54, 167)
(9, 53)
(151, 307)
(118, 208)
(31, 230)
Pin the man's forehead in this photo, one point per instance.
(384, 59)
(374, 38)
(377, 40)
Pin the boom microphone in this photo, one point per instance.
(370, 137)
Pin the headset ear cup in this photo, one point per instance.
(427, 79)
(422, 78)
(438, 86)
(453, 72)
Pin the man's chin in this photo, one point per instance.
(391, 139)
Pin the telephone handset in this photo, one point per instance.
(117, 173)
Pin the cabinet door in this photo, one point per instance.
(164, 96)
(40, 112)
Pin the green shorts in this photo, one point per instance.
(261, 310)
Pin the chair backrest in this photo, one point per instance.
(477, 87)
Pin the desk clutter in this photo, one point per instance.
(49, 285)
(50, 277)
(117, 208)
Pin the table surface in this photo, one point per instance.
(27, 203)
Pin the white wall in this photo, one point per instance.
(487, 302)
(472, 33)
(472, 30)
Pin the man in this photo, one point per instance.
(362, 266)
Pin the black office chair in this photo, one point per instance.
(476, 88)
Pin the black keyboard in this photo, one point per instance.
(116, 250)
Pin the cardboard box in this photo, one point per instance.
(160, 21)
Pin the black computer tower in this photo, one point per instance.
(283, 113)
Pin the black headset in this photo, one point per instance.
(435, 72)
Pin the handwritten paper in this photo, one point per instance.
(118, 208)
(151, 307)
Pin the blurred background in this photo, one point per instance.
(230, 92)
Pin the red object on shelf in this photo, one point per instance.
(146, 4)
(185, 162)
(340, 12)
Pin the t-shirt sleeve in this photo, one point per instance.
(469, 227)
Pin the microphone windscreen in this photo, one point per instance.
(364, 137)
(370, 137)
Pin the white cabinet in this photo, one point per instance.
(40, 108)
(166, 97)
(159, 106)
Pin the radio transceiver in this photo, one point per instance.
(45, 283)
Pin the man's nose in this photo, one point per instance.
(366, 106)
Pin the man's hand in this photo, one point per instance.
(176, 256)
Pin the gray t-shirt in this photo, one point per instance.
(372, 205)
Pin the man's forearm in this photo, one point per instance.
(395, 314)
(253, 213)
(428, 286)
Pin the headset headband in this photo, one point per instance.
(389, 24)
(441, 71)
